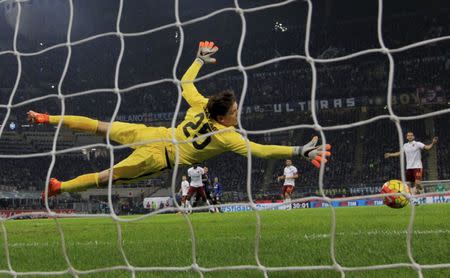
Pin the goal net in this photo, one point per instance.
(359, 75)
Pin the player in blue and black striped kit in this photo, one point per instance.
(217, 192)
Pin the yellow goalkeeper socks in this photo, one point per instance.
(76, 122)
(80, 183)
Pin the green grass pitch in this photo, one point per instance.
(364, 236)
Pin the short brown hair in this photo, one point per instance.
(219, 104)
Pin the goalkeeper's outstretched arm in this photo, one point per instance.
(190, 93)
(223, 109)
(309, 151)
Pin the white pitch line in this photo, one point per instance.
(376, 232)
(313, 236)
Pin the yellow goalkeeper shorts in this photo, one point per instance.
(148, 159)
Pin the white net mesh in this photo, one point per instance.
(180, 25)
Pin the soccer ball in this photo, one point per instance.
(396, 186)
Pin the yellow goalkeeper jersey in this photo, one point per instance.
(197, 122)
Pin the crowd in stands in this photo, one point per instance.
(357, 160)
(443, 151)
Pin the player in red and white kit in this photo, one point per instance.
(289, 175)
(184, 190)
(413, 153)
(196, 185)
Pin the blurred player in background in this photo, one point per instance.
(218, 113)
(207, 183)
(413, 153)
(217, 193)
(184, 191)
(205, 180)
(290, 173)
(196, 173)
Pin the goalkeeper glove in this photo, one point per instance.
(205, 51)
(314, 153)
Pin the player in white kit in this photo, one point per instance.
(413, 153)
(184, 190)
(289, 175)
(196, 185)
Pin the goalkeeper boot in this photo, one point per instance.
(38, 118)
(54, 188)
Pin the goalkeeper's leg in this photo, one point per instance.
(79, 123)
(122, 133)
(141, 164)
(80, 183)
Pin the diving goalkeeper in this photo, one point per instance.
(216, 113)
